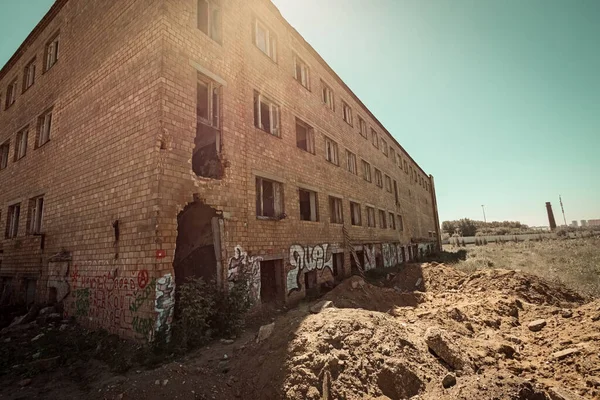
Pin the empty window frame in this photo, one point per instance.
(355, 214)
(29, 75)
(405, 166)
(301, 72)
(331, 151)
(396, 192)
(266, 114)
(208, 101)
(362, 125)
(305, 136)
(347, 112)
(378, 178)
(44, 126)
(36, 215)
(370, 217)
(4, 149)
(21, 143)
(327, 96)
(393, 155)
(12, 221)
(269, 198)
(374, 138)
(209, 19)
(400, 223)
(336, 214)
(388, 183)
(382, 220)
(351, 162)
(309, 210)
(384, 147)
(392, 221)
(265, 40)
(51, 53)
(366, 170)
(11, 93)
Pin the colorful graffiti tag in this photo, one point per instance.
(307, 258)
(165, 304)
(243, 264)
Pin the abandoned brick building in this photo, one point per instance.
(146, 141)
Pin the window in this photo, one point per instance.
(29, 75)
(355, 214)
(396, 192)
(416, 175)
(327, 96)
(366, 167)
(301, 72)
(392, 221)
(370, 217)
(351, 162)
(363, 127)
(382, 220)
(378, 178)
(384, 147)
(269, 198)
(347, 112)
(374, 138)
(305, 137)
(207, 107)
(12, 221)
(11, 93)
(265, 40)
(36, 215)
(400, 223)
(266, 114)
(21, 144)
(44, 125)
(4, 148)
(388, 183)
(393, 155)
(51, 53)
(331, 151)
(335, 210)
(209, 19)
(308, 205)
(405, 166)
(338, 264)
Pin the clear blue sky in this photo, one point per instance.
(499, 100)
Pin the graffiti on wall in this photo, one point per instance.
(389, 255)
(305, 259)
(58, 278)
(370, 260)
(399, 253)
(165, 304)
(243, 264)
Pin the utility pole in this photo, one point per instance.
(563, 209)
(483, 208)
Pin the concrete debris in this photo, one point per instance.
(563, 394)
(440, 343)
(560, 355)
(320, 306)
(264, 332)
(38, 337)
(507, 350)
(537, 325)
(47, 311)
(566, 313)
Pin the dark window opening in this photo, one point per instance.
(310, 279)
(335, 210)
(206, 160)
(269, 199)
(338, 265)
(271, 281)
(308, 205)
(305, 137)
(355, 214)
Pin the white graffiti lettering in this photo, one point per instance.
(307, 258)
(242, 264)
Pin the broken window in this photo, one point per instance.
(392, 221)
(327, 96)
(4, 149)
(11, 93)
(269, 198)
(12, 221)
(363, 127)
(396, 192)
(388, 183)
(206, 156)
(378, 178)
(266, 114)
(382, 220)
(308, 205)
(366, 167)
(44, 125)
(209, 19)
(374, 138)
(335, 210)
(305, 137)
(301, 72)
(265, 40)
(51, 53)
(29, 75)
(347, 112)
(331, 151)
(355, 214)
(370, 217)
(351, 162)
(400, 223)
(21, 144)
(384, 147)
(36, 215)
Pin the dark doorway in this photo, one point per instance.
(338, 266)
(353, 267)
(271, 281)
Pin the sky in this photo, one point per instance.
(498, 100)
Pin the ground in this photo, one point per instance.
(497, 325)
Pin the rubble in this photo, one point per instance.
(537, 325)
(320, 306)
(442, 345)
(264, 332)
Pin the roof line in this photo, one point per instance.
(340, 81)
(33, 35)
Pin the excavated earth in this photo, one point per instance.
(427, 332)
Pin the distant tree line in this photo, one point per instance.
(469, 227)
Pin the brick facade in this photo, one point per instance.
(118, 178)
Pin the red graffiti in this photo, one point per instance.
(142, 278)
(75, 276)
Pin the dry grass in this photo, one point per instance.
(574, 263)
